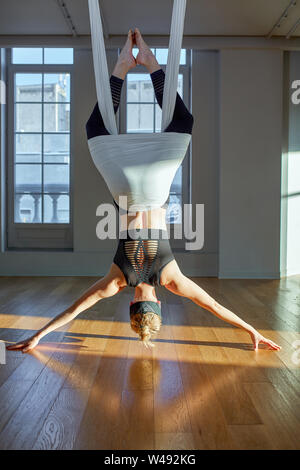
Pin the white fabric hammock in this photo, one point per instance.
(139, 166)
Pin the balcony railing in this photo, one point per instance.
(54, 191)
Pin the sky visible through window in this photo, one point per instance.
(39, 55)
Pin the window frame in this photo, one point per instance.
(185, 70)
(35, 235)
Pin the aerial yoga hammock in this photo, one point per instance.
(141, 168)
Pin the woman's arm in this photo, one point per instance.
(105, 287)
(181, 285)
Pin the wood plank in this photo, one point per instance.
(72, 399)
(283, 428)
(206, 413)
(100, 424)
(174, 441)
(24, 426)
(61, 426)
(92, 384)
(236, 405)
(17, 329)
(136, 421)
(170, 405)
(254, 437)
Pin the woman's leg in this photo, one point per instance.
(175, 281)
(182, 119)
(95, 125)
(108, 286)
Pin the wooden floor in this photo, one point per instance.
(94, 386)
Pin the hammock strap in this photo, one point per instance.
(104, 97)
(101, 70)
(171, 79)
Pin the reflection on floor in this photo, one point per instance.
(92, 385)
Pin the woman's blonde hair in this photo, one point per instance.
(145, 325)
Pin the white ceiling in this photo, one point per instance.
(203, 17)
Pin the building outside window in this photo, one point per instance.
(40, 139)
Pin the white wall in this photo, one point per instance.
(250, 163)
(205, 152)
(291, 167)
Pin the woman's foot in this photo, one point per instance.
(145, 56)
(126, 60)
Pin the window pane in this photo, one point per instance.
(28, 208)
(180, 85)
(56, 208)
(162, 56)
(139, 87)
(27, 55)
(57, 87)
(176, 186)
(158, 114)
(140, 118)
(42, 166)
(183, 57)
(28, 117)
(174, 211)
(28, 178)
(56, 178)
(28, 87)
(132, 89)
(58, 55)
(56, 117)
(28, 148)
(56, 148)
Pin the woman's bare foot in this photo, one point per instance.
(145, 56)
(126, 60)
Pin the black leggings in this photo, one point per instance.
(182, 119)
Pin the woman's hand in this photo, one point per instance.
(258, 338)
(25, 345)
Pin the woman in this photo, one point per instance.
(143, 262)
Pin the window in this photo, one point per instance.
(40, 143)
(141, 113)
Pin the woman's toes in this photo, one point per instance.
(138, 36)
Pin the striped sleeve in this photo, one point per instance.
(116, 88)
(158, 80)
